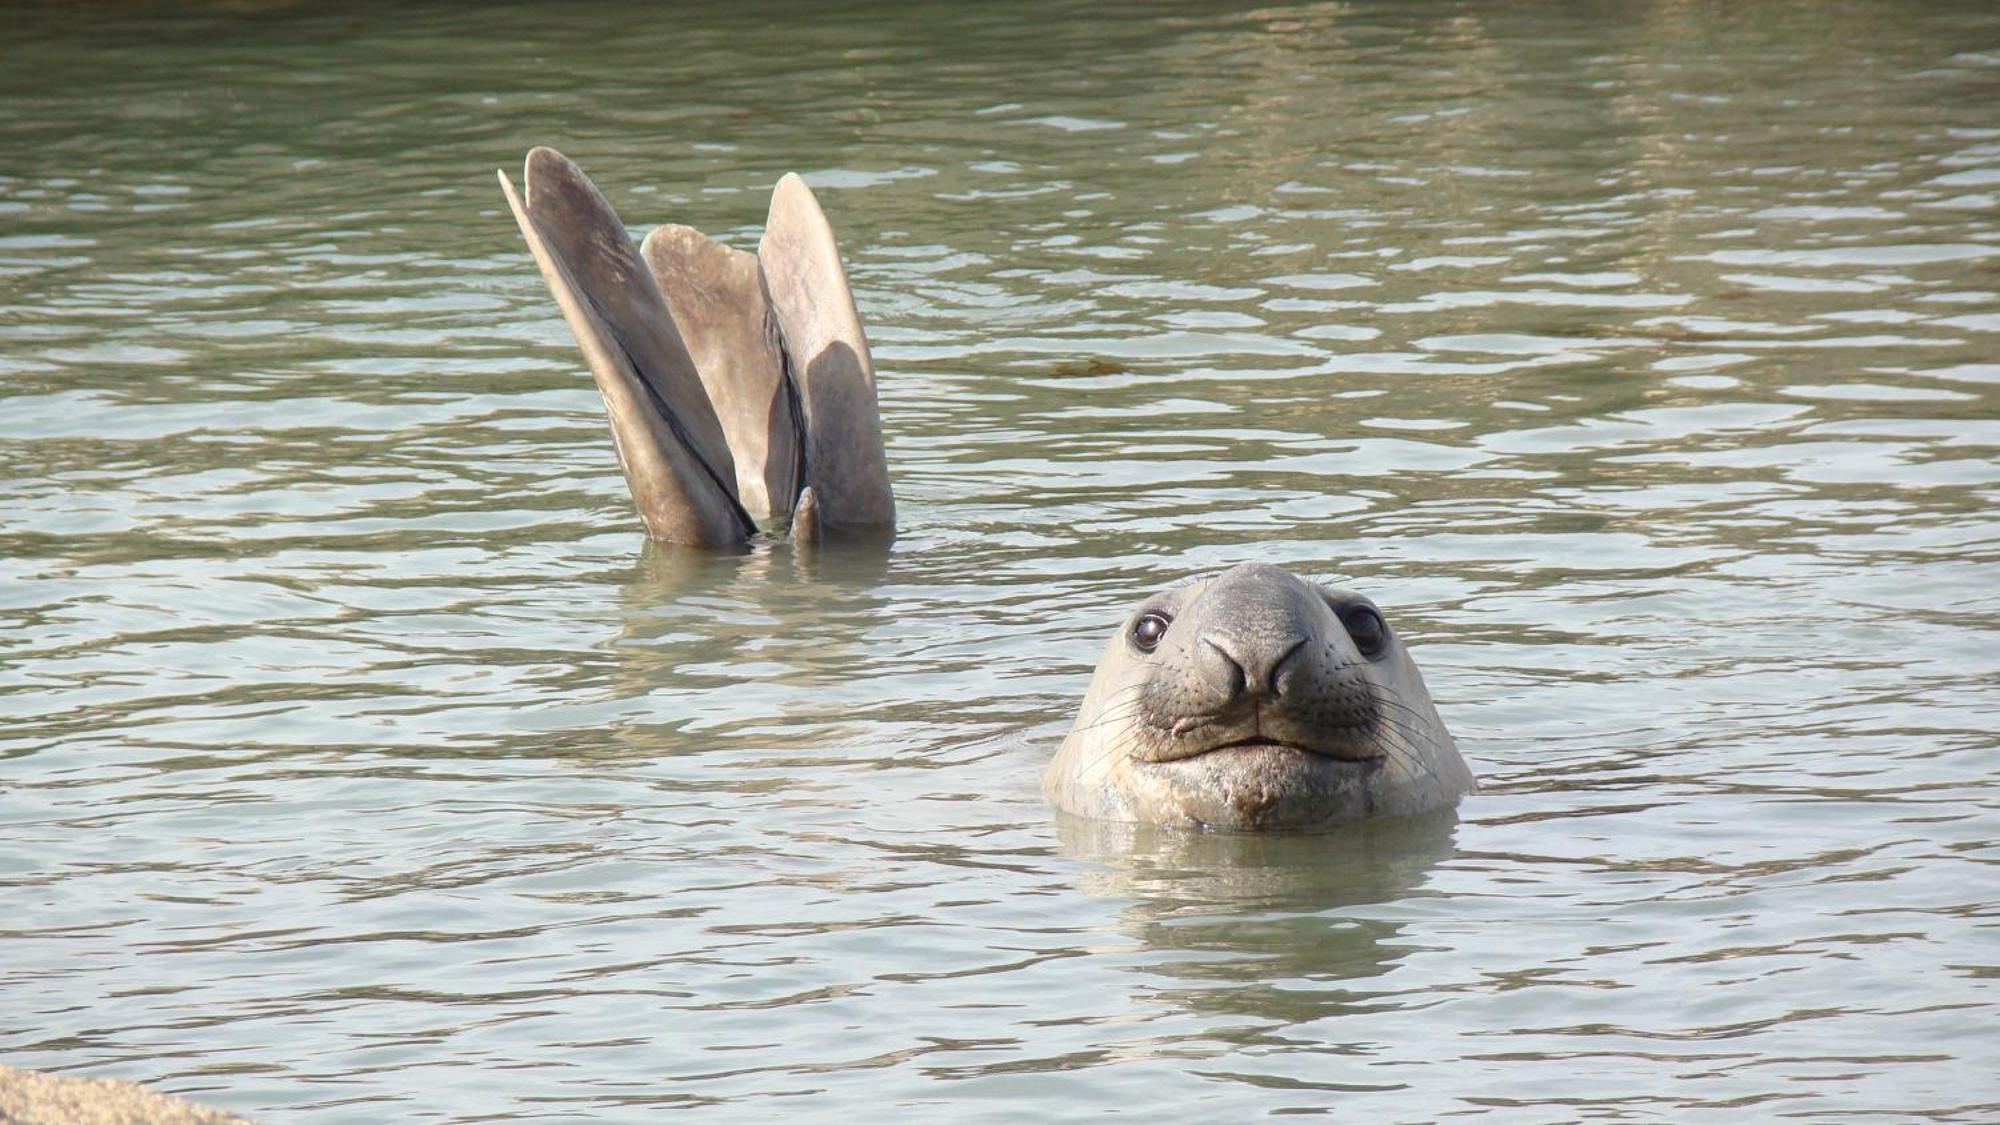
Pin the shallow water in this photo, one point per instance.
(359, 761)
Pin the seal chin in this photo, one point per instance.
(1259, 786)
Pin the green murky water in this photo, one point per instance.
(359, 762)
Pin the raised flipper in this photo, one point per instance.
(814, 307)
(670, 443)
(717, 299)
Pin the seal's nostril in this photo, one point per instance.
(1254, 668)
(1280, 681)
(1231, 669)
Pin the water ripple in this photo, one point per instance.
(359, 760)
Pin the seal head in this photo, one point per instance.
(1256, 701)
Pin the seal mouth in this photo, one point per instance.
(1347, 750)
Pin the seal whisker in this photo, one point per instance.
(1403, 742)
(1118, 712)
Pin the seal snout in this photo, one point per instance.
(1249, 667)
(1264, 662)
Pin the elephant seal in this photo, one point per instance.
(1256, 701)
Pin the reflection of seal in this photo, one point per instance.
(1166, 874)
(1227, 918)
(1256, 701)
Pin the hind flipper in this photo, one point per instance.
(717, 300)
(814, 307)
(672, 448)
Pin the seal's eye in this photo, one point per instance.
(1147, 631)
(1367, 629)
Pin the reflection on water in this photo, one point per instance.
(1256, 926)
(357, 760)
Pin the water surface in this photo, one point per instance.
(359, 761)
